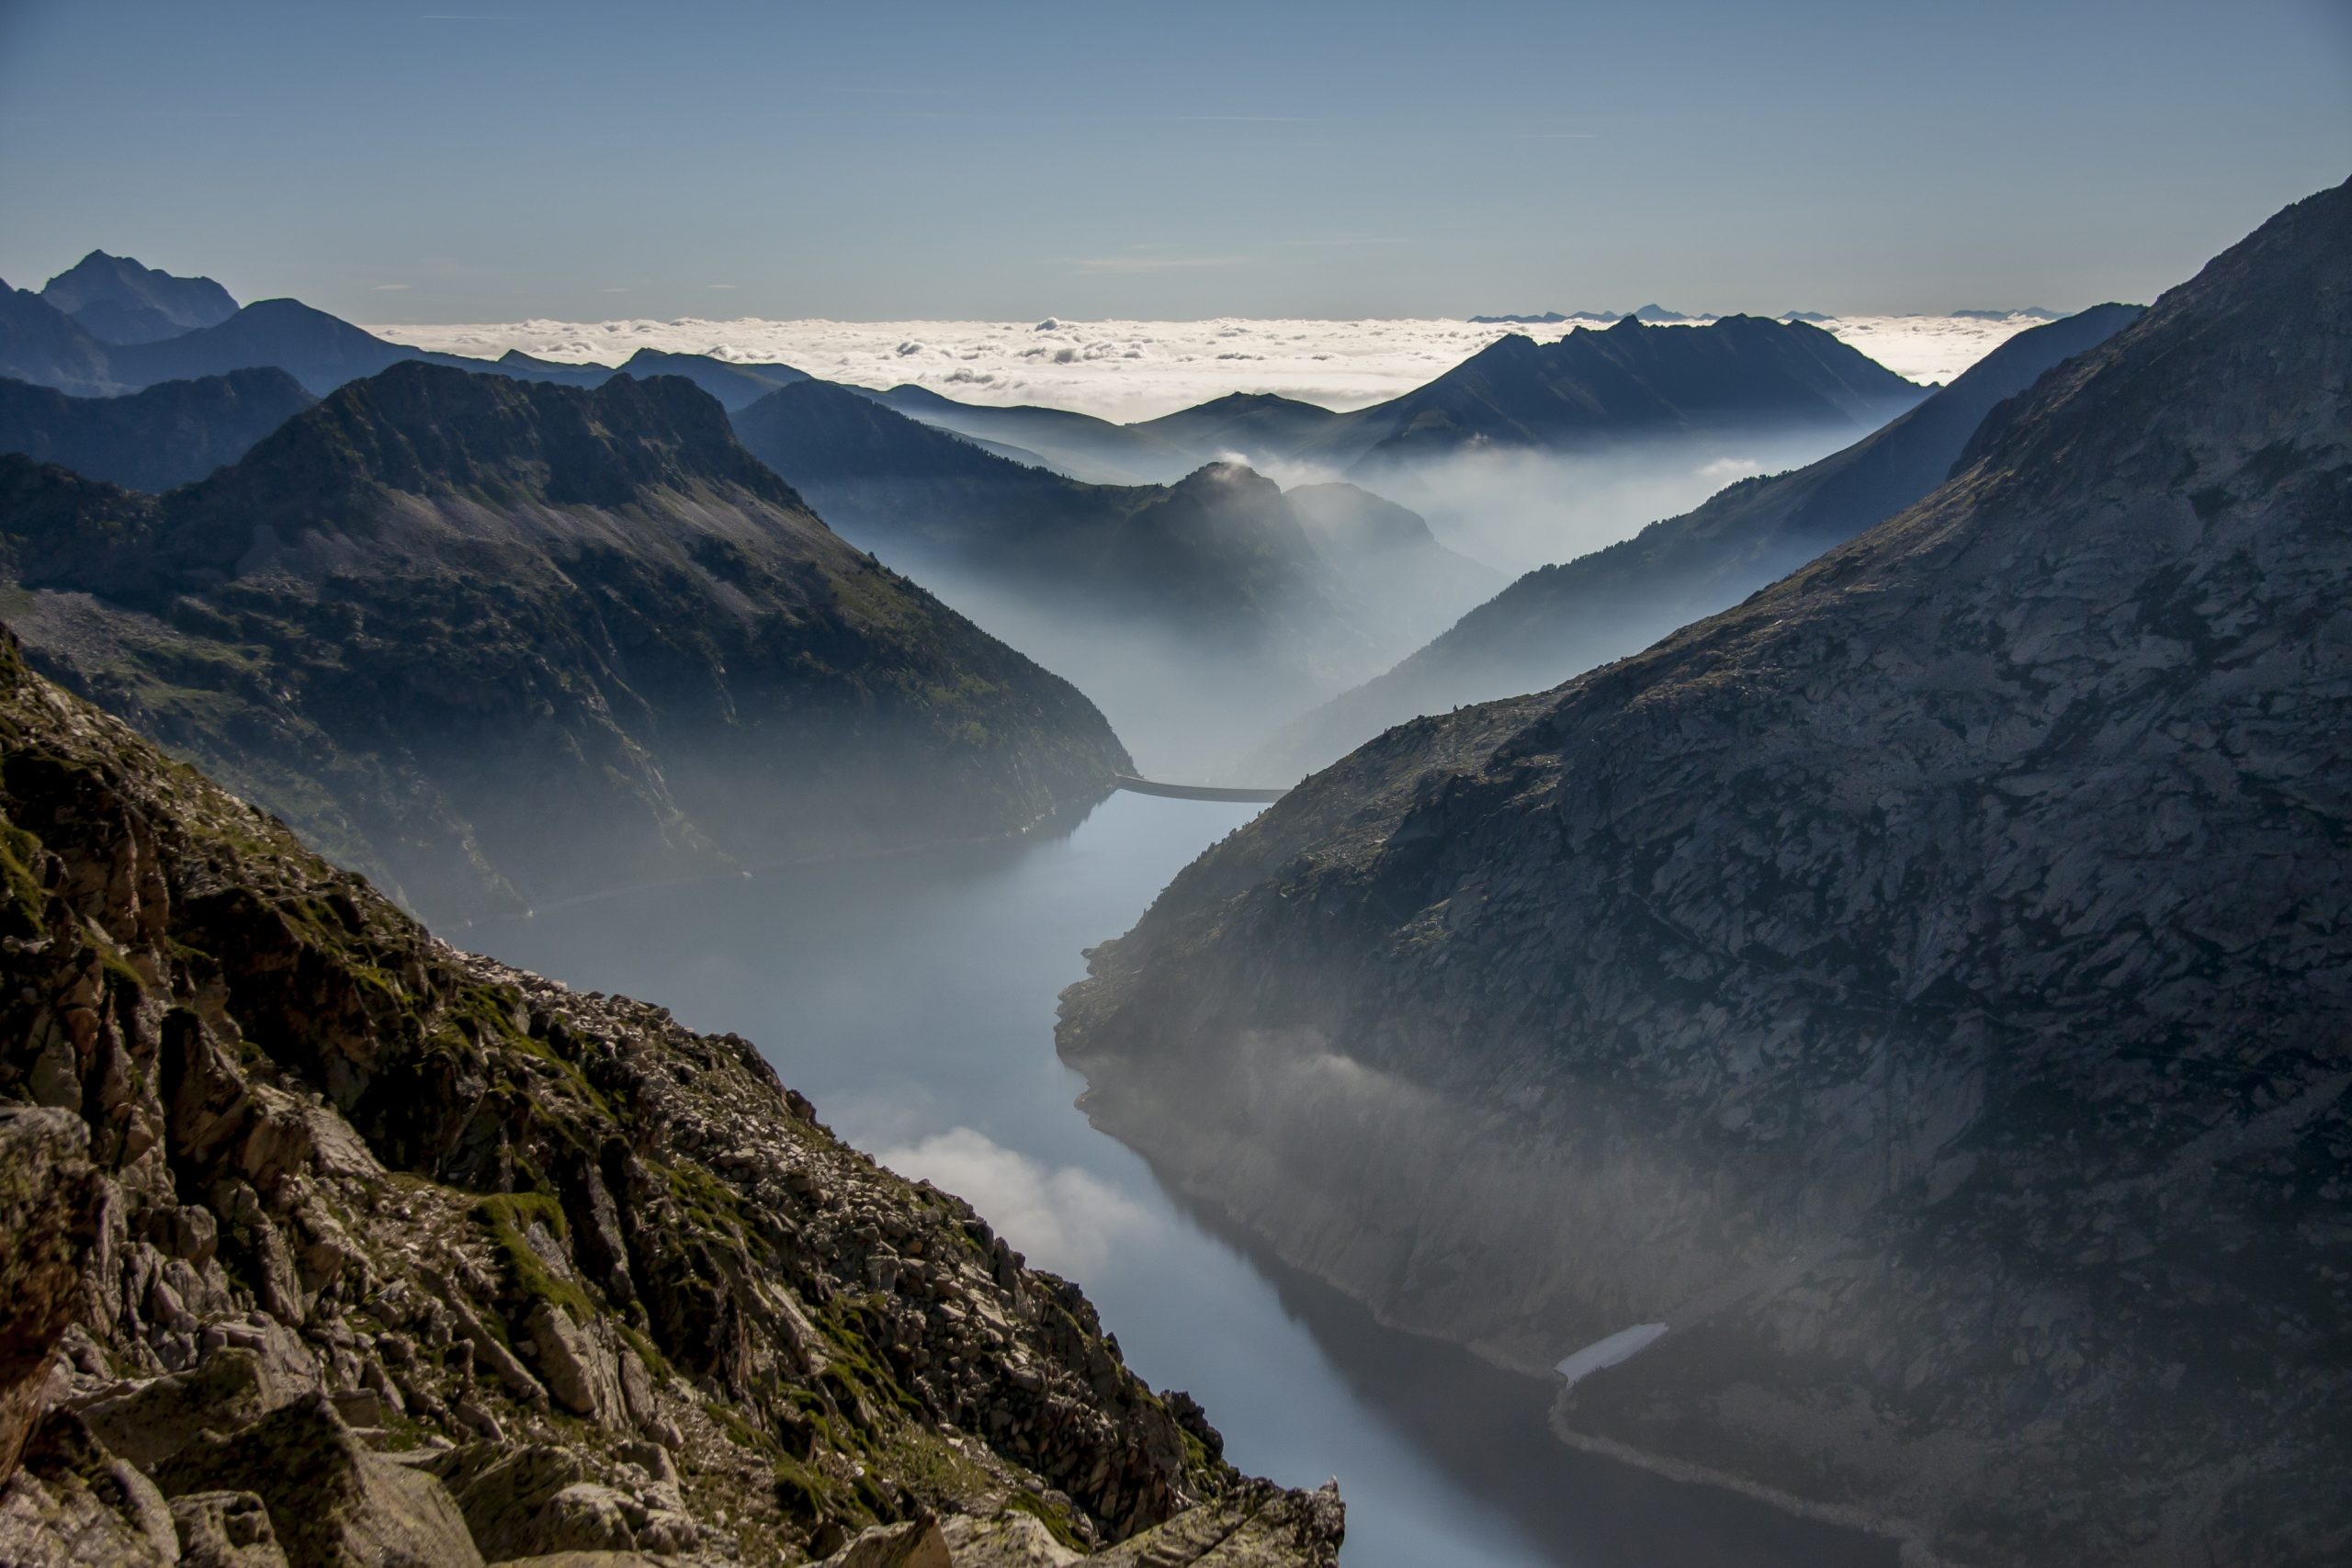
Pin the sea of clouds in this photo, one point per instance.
(1130, 370)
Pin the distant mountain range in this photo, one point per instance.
(1559, 621)
(117, 300)
(1739, 375)
(1260, 597)
(495, 641)
(181, 329)
(1065, 533)
(172, 433)
(1654, 314)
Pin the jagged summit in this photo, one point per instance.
(118, 301)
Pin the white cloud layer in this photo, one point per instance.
(1066, 1220)
(1129, 370)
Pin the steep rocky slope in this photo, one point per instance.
(457, 628)
(172, 432)
(1926, 989)
(328, 1244)
(1559, 621)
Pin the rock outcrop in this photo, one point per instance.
(328, 1243)
(495, 643)
(1924, 989)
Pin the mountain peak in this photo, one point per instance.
(117, 299)
(422, 428)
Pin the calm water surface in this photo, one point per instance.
(912, 998)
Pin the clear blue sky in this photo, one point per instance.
(469, 159)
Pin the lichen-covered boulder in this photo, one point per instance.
(332, 1503)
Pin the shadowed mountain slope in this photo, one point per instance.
(502, 642)
(1216, 590)
(41, 343)
(1559, 621)
(171, 433)
(1093, 450)
(1925, 989)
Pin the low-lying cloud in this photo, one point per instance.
(1065, 1219)
(1127, 369)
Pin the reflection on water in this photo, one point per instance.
(912, 998)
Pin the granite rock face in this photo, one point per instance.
(1924, 988)
(428, 1259)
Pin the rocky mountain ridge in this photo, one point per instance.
(455, 627)
(1921, 990)
(1559, 621)
(330, 1244)
(1635, 380)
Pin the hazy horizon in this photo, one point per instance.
(1127, 370)
(917, 162)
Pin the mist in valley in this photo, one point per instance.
(1516, 508)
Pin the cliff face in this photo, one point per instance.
(455, 627)
(1922, 989)
(323, 1233)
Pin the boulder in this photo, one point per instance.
(49, 1209)
(535, 1499)
(917, 1544)
(225, 1530)
(332, 1503)
(71, 1501)
(232, 1387)
(577, 1364)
